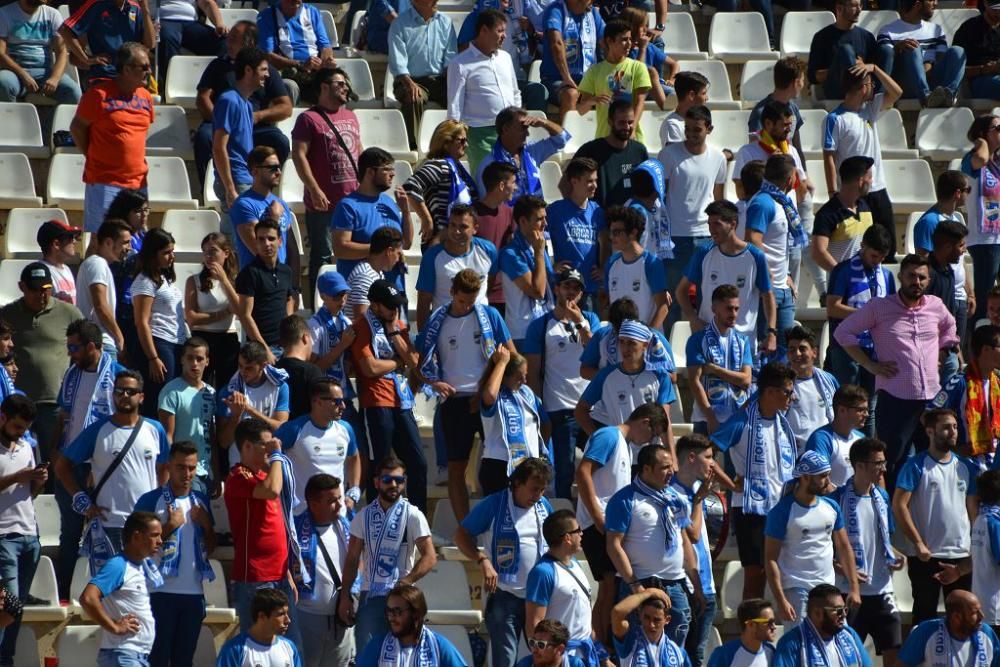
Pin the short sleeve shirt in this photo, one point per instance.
(116, 153)
(331, 165)
(270, 288)
(29, 37)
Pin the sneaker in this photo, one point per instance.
(951, 99)
(938, 98)
(441, 476)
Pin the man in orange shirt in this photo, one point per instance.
(110, 129)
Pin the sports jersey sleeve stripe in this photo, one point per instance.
(111, 577)
(776, 524)
(541, 581)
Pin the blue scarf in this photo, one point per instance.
(510, 411)
(723, 397)
(529, 181)
(797, 234)
(308, 540)
(458, 189)
(667, 500)
(272, 374)
(863, 285)
(102, 402)
(172, 545)
(384, 533)
(427, 653)
(382, 349)
(671, 655)
(589, 652)
(96, 546)
(944, 654)
(287, 504)
(656, 357)
(505, 546)
(756, 490)
(826, 384)
(334, 328)
(849, 504)
(6, 384)
(813, 653)
(581, 41)
(430, 367)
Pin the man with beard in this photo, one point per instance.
(263, 643)
(823, 637)
(802, 534)
(616, 155)
(389, 533)
(935, 503)
(960, 635)
(909, 331)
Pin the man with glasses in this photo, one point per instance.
(869, 521)
(850, 407)
(755, 645)
(646, 642)
(322, 442)
(548, 647)
(259, 201)
(823, 637)
(387, 536)
(326, 144)
(960, 637)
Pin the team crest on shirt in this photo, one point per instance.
(148, 454)
(933, 485)
(453, 343)
(316, 448)
(713, 277)
(805, 532)
(962, 486)
(741, 281)
(614, 283)
(505, 553)
(340, 450)
(561, 344)
(622, 396)
(647, 395)
(636, 284)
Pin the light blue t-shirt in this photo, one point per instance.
(613, 394)
(29, 37)
(574, 232)
(362, 215)
(249, 208)
(234, 114)
(194, 411)
(579, 57)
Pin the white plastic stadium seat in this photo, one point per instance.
(204, 652)
(447, 590)
(385, 128)
(651, 121)
(77, 645)
(581, 129)
(756, 82)
(428, 123)
(892, 136)
(291, 188)
(168, 184)
(169, 134)
(354, 32)
(909, 184)
(183, 74)
(443, 522)
(678, 343)
(951, 19)
(362, 83)
(680, 34)
(550, 174)
(20, 241)
(736, 37)
(873, 20)
(43, 587)
(216, 598)
(232, 15)
(18, 186)
(188, 229)
(820, 195)
(908, 238)
(208, 192)
(288, 124)
(331, 29)
(62, 116)
(941, 133)
(20, 130)
(47, 515)
(798, 28)
(720, 93)
(10, 274)
(811, 134)
(730, 593)
(729, 129)
(403, 171)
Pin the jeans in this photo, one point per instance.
(844, 58)
(394, 429)
(197, 37)
(263, 135)
(881, 208)
(785, 305)
(684, 249)
(242, 593)
(698, 633)
(70, 531)
(325, 641)
(985, 264)
(97, 198)
(926, 589)
(798, 598)
(505, 626)
(177, 621)
(18, 562)
(170, 354)
(116, 657)
(566, 433)
(896, 420)
(44, 428)
(12, 88)
(370, 619)
(226, 224)
(320, 244)
(908, 70)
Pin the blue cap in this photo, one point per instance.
(332, 283)
(635, 331)
(812, 463)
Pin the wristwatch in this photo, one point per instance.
(772, 330)
(660, 27)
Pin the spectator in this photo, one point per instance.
(552, 346)
(512, 147)
(653, 609)
(6, 359)
(101, 444)
(259, 202)
(185, 515)
(841, 223)
(962, 622)
(34, 54)
(407, 631)
(325, 640)
(775, 138)
(57, 242)
(661, 68)
(320, 442)
(813, 404)
(692, 91)
(649, 199)
(293, 35)
(549, 646)
(923, 63)
(211, 306)
(841, 47)
(982, 53)
(441, 181)
(382, 353)
(984, 545)
(111, 123)
(835, 438)
(526, 269)
(573, 32)
(511, 520)
(495, 214)
(602, 349)
(326, 161)
(159, 316)
(728, 260)
(421, 44)
(908, 331)
(385, 252)
(617, 154)
(38, 330)
(853, 283)
(270, 104)
(928, 488)
(131, 207)
(615, 77)
(993, 306)
(390, 533)
(756, 639)
(121, 589)
(823, 636)
(332, 335)
(264, 638)
(187, 411)
(866, 510)
(267, 294)
(257, 391)
(106, 27)
(983, 202)
(98, 300)
(379, 17)
(949, 248)
(761, 448)
(25, 477)
(632, 270)
(180, 27)
(483, 81)
(720, 363)
(297, 344)
(789, 80)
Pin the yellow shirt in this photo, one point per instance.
(621, 81)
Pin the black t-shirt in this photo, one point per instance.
(613, 167)
(826, 41)
(220, 76)
(300, 375)
(270, 289)
(980, 41)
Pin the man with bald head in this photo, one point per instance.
(958, 638)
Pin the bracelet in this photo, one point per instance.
(354, 493)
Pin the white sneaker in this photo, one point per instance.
(441, 476)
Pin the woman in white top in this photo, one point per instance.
(159, 317)
(210, 307)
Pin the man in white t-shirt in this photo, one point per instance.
(525, 268)
(834, 439)
(117, 598)
(34, 53)
(264, 641)
(97, 299)
(812, 404)
(985, 547)
(57, 241)
(755, 645)
(691, 89)
(385, 250)
(634, 272)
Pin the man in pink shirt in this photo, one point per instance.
(912, 331)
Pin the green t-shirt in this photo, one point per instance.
(621, 82)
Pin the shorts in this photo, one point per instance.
(554, 87)
(459, 424)
(749, 537)
(595, 548)
(878, 616)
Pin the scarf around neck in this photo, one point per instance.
(384, 532)
(430, 368)
(307, 535)
(756, 488)
(101, 402)
(505, 545)
(849, 504)
(334, 327)
(813, 651)
(669, 653)
(382, 349)
(458, 189)
(668, 502)
(529, 181)
(427, 652)
(173, 544)
(944, 653)
(797, 234)
(723, 397)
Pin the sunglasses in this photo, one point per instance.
(396, 611)
(836, 611)
(540, 644)
(126, 391)
(393, 479)
(769, 622)
(73, 348)
(332, 399)
(273, 168)
(577, 531)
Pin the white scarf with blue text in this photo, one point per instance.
(944, 653)
(384, 531)
(505, 545)
(670, 654)
(430, 367)
(849, 503)
(814, 653)
(172, 544)
(382, 349)
(335, 326)
(308, 539)
(668, 502)
(511, 408)
(756, 488)
(427, 653)
(102, 401)
(723, 397)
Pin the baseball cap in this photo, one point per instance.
(36, 276)
(812, 463)
(385, 293)
(53, 230)
(569, 274)
(332, 283)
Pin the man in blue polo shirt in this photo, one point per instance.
(106, 25)
(258, 202)
(576, 225)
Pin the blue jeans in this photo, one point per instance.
(785, 305)
(566, 434)
(505, 624)
(177, 621)
(844, 58)
(908, 71)
(18, 562)
(697, 638)
(370, 620)
(320, 244)
(70, 531)
(985, 264)
(393, 429)
(896, 421)
(242, 593)
(97, 198)
(684, 249)
(226, 224)
(170, 354)
(197, 37)
(12, 88)
(798, 598)
(116, 657)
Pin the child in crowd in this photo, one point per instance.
(614, 78)
(661, 67)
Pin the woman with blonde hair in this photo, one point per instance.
(441, 180)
